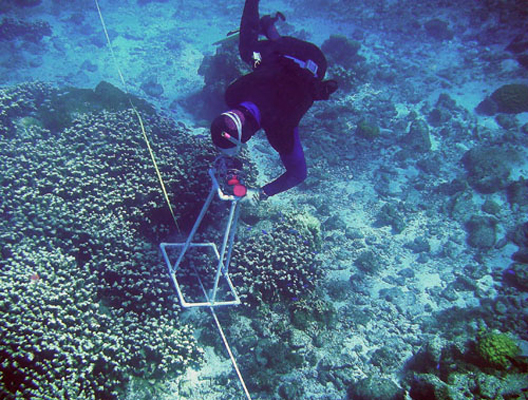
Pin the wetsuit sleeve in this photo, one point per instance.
(249, 30)
(296, 170)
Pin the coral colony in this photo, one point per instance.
(397, 270)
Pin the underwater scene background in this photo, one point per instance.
(397, 270)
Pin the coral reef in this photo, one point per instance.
(520, 235)
(487, 107)
(152, 88)
(375, 388)
(368, 262)
(517, 192)
(341, 50)
(418, 138)
(452, 369)
(488, 167)
(517, 275)
(344, 63)
(280, 262)
(11, 29)
(438, 29)
(511, 99)
(481, 231)
(391, 215)
(497, 349)
(367, 129)
(291, 391)
(508, 99)
(479, 385)
(84, 297)
(85, 300)
(19, 102)
(444, 110)
(218, 70)
(309, 312)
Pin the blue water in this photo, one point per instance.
(382, 276)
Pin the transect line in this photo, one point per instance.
(224, 339)
(145, 137)
(219, 326)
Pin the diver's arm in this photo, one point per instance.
(296, 170)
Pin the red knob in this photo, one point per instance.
(239, 190)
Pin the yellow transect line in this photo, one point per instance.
(145, 137)
(224, 339)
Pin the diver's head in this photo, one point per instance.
(230, 130)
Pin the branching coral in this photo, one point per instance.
(85, 301)
(280, 262)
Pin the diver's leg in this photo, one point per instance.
(249, 30)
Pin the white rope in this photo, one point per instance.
(140, 120)
(233, 360)
(121, 77)
(110, 47)
(222, 335)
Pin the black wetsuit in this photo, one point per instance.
(278, 86)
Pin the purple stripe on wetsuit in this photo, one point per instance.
(295, 165)
(253, 109)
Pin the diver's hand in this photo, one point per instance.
(254, 196)
(323, 90)
(331, 86)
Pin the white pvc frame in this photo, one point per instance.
(223, 257)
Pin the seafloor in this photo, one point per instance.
(397, 270)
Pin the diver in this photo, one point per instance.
(287, 78)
